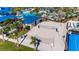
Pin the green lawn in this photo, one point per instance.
(10, 46)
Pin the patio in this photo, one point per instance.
(51, 39)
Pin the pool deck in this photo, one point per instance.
(51, 40)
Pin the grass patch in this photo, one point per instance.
(10, 46)
(27, 27)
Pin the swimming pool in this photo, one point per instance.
(30, 18)
(5, 10)
(73, 42)
(5, 17)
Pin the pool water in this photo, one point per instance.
(73, 42)
(30, 18)
(5, 10)
(4, 18)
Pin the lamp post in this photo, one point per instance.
(52, 46)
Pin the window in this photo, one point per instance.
(77, 25)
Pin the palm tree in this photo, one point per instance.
(33, 40)
(3, 35)
(17, 8)
(36, 42)
(1, 32)
(57, 9)
(17, 44)
(16, 38)
(67, 9)
(36, 9)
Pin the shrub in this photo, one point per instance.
(27, 27)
